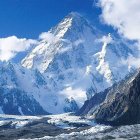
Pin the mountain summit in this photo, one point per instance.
(73, 30)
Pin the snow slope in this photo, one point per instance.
(16, 90)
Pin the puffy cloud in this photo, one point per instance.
(70, 92)
(106, 39)
(12, 45)
(124, 15)
(47, 36)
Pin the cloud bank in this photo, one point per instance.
(124, 15)
(12, 45)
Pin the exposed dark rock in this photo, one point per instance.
(120, 105)
(89, 104)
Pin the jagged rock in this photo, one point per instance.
(118, 105)
(92, 103)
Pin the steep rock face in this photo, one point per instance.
(8, 76)
(77, 62)
(92, 103)
(14, 97)
(13, 101)
(120, 104)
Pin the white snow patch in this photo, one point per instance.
(1, 111)
(20, 110)
(62, 120)
(5, 100)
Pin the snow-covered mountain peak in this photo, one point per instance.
(76, 61)
(72, 23)
(72, 31)
(72, 62)
(76, 18)
(74, 14)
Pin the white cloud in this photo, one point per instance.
(12, 45)
(70, 92)
(47, 36)
(78, 42)
(132, 62)
(105, 39)
(123, 15)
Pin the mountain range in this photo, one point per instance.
(73, 62)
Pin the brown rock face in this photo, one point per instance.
(121, 105)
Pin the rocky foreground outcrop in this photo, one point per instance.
(120, 105)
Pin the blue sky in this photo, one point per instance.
(22, 21)
(28, 18)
